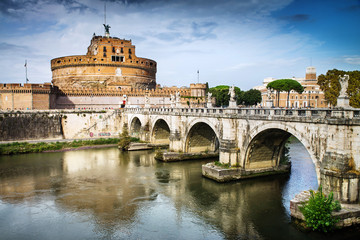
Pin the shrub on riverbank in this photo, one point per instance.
(25, 147)
(317, 211)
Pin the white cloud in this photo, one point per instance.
(354, 60)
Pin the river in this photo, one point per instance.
(108, 194)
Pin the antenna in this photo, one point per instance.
(310, 61)
(105, 13)
(198, 73)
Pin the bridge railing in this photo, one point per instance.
(247, 112)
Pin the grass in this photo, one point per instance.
(223, 165)
(24, 147)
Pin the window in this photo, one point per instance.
(129, 56)
(129, 50)
(104, 50)
(117, 58)
(122, 50)
(113, 49)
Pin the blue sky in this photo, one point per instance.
(232, 42)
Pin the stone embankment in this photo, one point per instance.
(58, 124)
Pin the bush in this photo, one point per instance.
(317, 211)
(124, 142)
(159, 155)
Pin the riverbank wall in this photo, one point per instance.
(58, 124)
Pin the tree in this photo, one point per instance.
(275, 85)
(251, 97)
(331, 87)
(124, 141)
(221, 93)
(285, 85)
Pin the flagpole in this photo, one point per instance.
(198, 75)
(26, 78)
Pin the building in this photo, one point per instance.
(110, 75)
(15, 96)
(110, 62)
(312, 96)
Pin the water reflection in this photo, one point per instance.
(104, 193)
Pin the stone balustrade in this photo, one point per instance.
(260, 113)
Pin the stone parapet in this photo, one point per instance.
(324, 116)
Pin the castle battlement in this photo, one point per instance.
(45, 88)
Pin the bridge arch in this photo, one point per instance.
(135, 127)
(160, 132)
(201, 137)
(266, 144)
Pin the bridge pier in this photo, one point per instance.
(228, 152)
(176, 144)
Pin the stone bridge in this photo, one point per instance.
(251, 139)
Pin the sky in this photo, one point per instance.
(230, 42)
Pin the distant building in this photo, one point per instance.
(312, 96)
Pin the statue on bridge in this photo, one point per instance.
(344, 82)
(343, 99)
(172, 100)
(209, 95)
(269, 92)
(232, 94)
(178, 99)
(209, 100)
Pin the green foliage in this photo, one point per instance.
(250, 97)
(317, 211)
(285, 156)
(331, 87)
(24, 147)
(285, 85)
(219, 164)
(159, 154)
(221, 94)
(124, 142)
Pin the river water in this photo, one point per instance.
(108, 194)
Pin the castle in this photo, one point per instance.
(110, 75)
